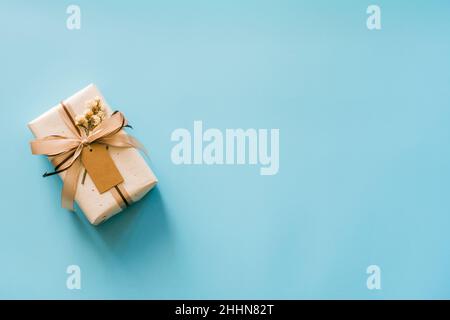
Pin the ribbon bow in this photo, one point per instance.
(64, 152)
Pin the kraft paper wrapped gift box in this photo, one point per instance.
(138, 178)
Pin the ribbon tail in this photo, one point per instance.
(70, 185)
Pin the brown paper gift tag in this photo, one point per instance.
(100, 167)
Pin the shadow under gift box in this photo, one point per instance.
(138, 177)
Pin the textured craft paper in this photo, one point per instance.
(138, 177)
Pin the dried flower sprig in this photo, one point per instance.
(93, 115)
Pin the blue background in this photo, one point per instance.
(364, 119)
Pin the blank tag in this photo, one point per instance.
(100, 167)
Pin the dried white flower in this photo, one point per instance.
(80, 120)
(88, 113)
(95, 120)
(101, 114)
(93, 115)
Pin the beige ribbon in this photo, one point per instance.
(65, 152)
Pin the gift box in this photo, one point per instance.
(100, 164)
